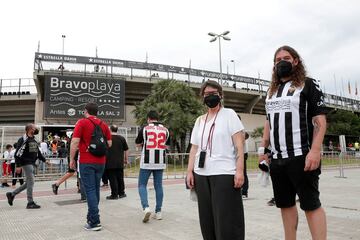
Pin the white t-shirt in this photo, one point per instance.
(9, 155)
(223, 156)
(12, 155)
(44, 148)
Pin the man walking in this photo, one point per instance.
(27, 152)
(92, 163)
(116, 158)
(153, 139)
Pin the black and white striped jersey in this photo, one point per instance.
(289, 112)
(154, 137)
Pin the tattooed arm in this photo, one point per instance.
(312, 161)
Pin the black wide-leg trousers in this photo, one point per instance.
(220, 206)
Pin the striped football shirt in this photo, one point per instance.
(290, 111)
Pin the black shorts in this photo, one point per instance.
(289, 179)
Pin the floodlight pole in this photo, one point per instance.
(233, 61)
(220, 60)
(62, 59)
(219, 36)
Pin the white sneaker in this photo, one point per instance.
(147, 213)
(157, 216)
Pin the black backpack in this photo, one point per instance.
(98, 143)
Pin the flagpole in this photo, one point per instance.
(189, 71)
(335, 85)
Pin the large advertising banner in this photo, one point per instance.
(66, 96)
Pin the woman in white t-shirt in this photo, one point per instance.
(216, 166)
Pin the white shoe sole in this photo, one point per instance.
(146, 217)
(154, 217)
(98, 228)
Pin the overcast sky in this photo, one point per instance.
(325, 33)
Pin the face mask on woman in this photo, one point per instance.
(212, 100)
(283, 69)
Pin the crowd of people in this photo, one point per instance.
(294, 131)
(350, 146)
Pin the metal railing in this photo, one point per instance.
(53, 170)
(176, 165)
(17, 86)
(24, 86)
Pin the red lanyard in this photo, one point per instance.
(211, 133)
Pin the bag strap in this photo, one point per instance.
(94, 123)
(100, 128)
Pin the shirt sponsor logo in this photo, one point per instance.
(278, 105)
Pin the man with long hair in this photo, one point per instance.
(295, 129)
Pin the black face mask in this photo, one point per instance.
(36, 131)
(283, 69)
(212, 100)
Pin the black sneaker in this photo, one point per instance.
(111, 197)
(32, 205)
(122, 195)
(92, 227)
(5, 185)
(10, 198)
(55, 188)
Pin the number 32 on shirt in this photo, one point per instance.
(156, 140)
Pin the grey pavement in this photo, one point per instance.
(63, 216)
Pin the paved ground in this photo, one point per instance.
(62, 216)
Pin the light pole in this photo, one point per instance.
(233, 61)
(62, 60)
(219, 36)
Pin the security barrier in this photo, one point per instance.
(176, 165)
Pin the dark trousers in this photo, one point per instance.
(116, 178)
(16, 175)
(105, 178)
(81, 187)
(221, 211)
(245, 186)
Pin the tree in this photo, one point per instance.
(341, 122)
(257, 133)
(177, 106)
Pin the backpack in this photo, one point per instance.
(98, 143)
